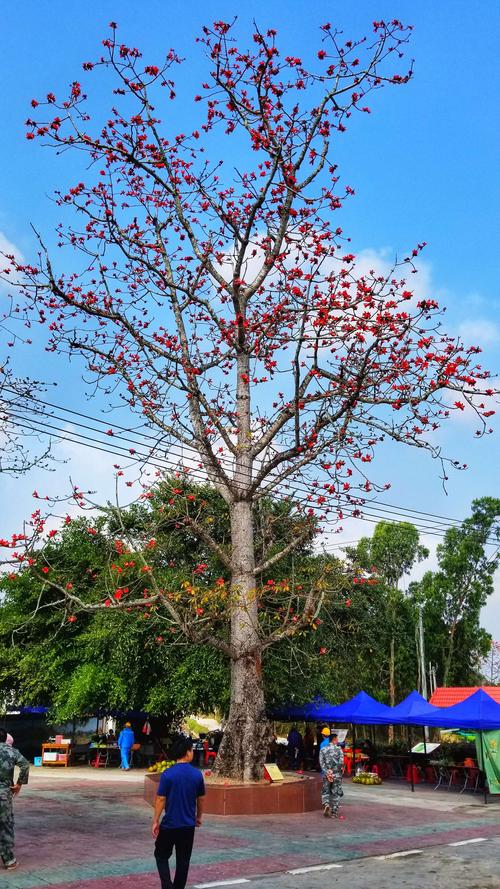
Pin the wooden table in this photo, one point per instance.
(59, 749)
(107, 750)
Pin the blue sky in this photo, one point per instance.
(424, 166)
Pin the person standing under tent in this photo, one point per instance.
(308, 747)
(126, 741)
(295, 748)
(325, 734)
(331, 760)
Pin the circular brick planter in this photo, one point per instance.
(290, 797)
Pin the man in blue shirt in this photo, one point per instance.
(180, 793)
(126, 741)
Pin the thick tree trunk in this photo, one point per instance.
(247, 732)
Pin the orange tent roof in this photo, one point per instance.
(445, 697)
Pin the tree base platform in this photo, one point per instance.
(290, 797)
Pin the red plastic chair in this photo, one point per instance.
(416, 775)
(430, 775)
(210, 755)
(385, 769)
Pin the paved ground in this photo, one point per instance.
(474, 866)
(88, 830)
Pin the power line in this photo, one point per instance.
(381, 506)
(178, 451)
(378, 511)
(369, 509)
(116, 450)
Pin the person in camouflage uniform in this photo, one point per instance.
(331, 761)
(9, 759)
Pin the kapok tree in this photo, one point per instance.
(217, 298)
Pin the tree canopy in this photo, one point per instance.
(453, 596)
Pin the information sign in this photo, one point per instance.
(272, 772)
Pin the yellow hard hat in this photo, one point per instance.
(128, 725)
(325, 731)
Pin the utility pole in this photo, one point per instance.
(432, 677)
(421, 658)
(421, 651)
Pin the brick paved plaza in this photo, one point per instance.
(77, 830)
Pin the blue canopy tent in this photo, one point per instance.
(294, 712)
(413, 707)
(287, 713)
(319, 710)
(479, 711)
(361, 710)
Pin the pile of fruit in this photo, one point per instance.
(367, 778)
(160, 767)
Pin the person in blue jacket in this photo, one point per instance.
(126, 740)
(326, 738)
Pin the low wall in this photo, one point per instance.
(290, 797)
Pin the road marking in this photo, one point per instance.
(466, 842)
(220, 883)
(399, 854)
(313, 867)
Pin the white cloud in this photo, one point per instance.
(9, 247)
(88, 469)
(480, 332)
(381, 262)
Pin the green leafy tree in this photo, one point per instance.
(391, 553)
(120, 660)
(453, 596)
(135, 657)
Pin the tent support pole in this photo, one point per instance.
(424, 730)
(485, 779)
(353, 748)
(411, 759)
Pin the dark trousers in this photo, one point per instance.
(180, 838)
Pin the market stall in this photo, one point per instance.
(478, 712)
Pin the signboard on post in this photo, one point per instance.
(424, 748)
